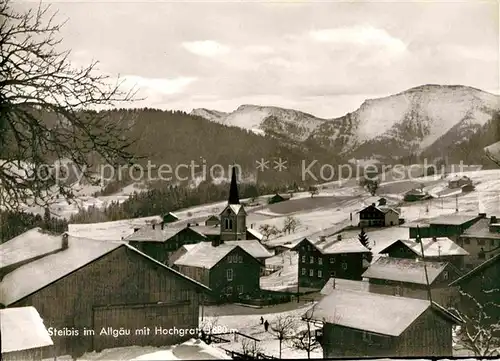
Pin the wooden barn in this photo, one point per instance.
(412, 278)
(170, 218)
(363, 324)
(228, 268)
(92, 289)
(321, 259)
(24, 336)
(213, 220)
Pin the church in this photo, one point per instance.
(165, 242)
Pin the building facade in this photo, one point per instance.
(373, 216)
(326, 258)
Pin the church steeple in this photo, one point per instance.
(234, 198)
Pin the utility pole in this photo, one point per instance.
(419, 240)
(456, 203)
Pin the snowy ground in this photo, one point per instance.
(189, 350)
(250, 325)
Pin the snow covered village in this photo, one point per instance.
(249, 180)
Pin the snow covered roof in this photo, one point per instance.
(236, 208)
(206, 230)
(481, 229)
(255, 233)
(148, 234)
(453, 219)
(252, 247)
(204, 255)
(383, 209)
(343, 284)
(433, 247)
(22, 328)
(32, 243)
(372, 312)
(331, 245)
(436, 247)
(188, 247)
(404, 270)
(38, 274)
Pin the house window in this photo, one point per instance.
(344, 266)
(311, 273)
(332, 259)
(333, 274)
(229, 290)
(320, 261)
(492, 243)
(240, 259)
(445, 275)
(303, 271)
(240, 288)
(303, 259)
(230, 259)
(466, 241)
(311, 260)
(480, 242)
(229, 274)
(229, 224)
(320, 274)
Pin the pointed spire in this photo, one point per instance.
(234, 198)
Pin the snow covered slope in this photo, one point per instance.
(275, 121)
(410, 121)
(392, 126)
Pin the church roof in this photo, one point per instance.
(234, 197)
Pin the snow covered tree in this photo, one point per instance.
(268, 231)
(290, 224)
(250, 348)
(480, 332)
(363, 238)
(283, 328)
(305, 338)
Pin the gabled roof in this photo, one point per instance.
(205, 255)
(148, 234)
(453, 219)
(282, 195)
(482, 267)
(255, 233)
(30, 244)
(344, 284)
(171, 214)
(404, 270)
(382, 209)
(481, 229)
(206, 230)
(331, 245)
(38, 274)
(372, 312)
(235, 208)
(212, 217)
(22, 328)
(433, 247)
(252, 247)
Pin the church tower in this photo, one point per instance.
(233, 218)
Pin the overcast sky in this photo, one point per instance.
(324, 58)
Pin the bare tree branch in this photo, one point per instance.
(48, 111)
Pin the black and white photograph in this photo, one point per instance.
(280, 179)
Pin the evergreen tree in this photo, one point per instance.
(363, 238)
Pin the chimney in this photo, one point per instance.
(251, 226)
(493, 220)
(154, 225)
(217, 242)
(189, 224)
(434, 239)
(64, 241)
(197, 224)
(339, 237)
(136, 229)
(373, 204)
(162, 225)
(322, 238)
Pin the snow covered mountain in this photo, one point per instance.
(279, 122)
(425, 117)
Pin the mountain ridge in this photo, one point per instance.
(408, 122)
